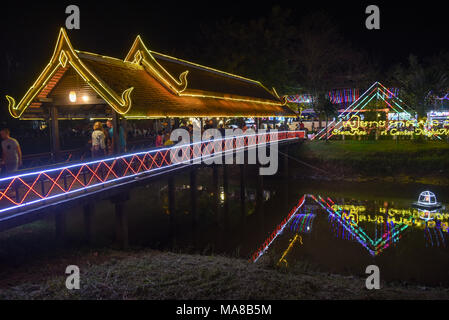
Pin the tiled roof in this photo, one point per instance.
(144, 84)
(202, 79)
(151, 99)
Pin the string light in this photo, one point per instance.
(65, 56)
(67, 180)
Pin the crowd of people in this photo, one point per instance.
(99, 138)
(102, 139)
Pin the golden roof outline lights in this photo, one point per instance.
(139, 57)
(63, 56)
(140, 54)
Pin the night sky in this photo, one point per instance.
(29, 31)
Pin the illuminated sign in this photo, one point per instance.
(357, 127)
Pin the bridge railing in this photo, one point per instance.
(33, 189)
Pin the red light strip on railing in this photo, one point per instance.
(22, 190)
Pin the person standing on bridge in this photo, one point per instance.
(159, 142)
(98, 141)
(121, 138)
(11, 152)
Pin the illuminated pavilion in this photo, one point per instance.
(79, 85)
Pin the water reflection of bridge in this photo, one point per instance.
(34, 195)
(350, 222)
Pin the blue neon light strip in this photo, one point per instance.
(290, 135)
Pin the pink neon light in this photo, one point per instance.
(28, 189)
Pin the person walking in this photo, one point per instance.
(159, 139)
(98, 141)
(167, 141)
(121, 137)
(11, 152)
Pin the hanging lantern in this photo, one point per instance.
(72, 96)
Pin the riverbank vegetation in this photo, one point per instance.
(383, 159)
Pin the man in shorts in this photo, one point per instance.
(11, 152)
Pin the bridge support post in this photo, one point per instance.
(60, 226)
(55, 141)
(121, 220)
(226, 195)
(171, 208)
(259, 204)
(285, 189)
(115, 132)
(193, 196)
(215, 190)
(259, 194)
(285, 164)
(88, 211)
(242, 191)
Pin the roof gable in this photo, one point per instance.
(64, 56)
(199, 81)
(160, 86)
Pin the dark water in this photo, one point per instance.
(340, 227)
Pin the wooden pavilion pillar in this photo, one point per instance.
(169, 126)
(123, 124)
(55, 141)
(115, 132)
(201, 127)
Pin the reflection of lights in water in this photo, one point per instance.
(302, 223)
(290, 246)
(347, 224)
(351, 230)
(266, 195)
(435, 237)
(277, 231)
(221, 195)
(426, 198)
(427, 215)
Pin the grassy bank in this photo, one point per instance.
(384, 158)
(162, 275)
